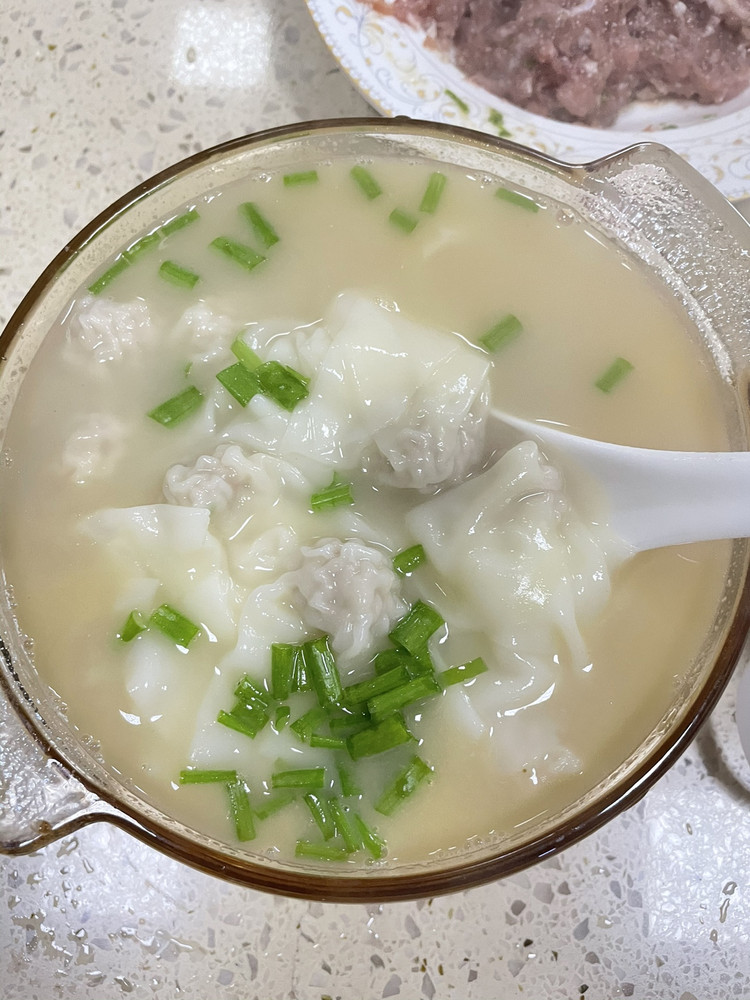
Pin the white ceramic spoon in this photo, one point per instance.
(655, 498)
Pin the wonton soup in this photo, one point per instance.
(272, 553)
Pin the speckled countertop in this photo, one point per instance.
(95, 96)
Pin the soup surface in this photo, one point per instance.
(223, 445)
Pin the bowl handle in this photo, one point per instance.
(40, 800)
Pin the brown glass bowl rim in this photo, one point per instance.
(383, 885)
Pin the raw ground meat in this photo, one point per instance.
(584, 60)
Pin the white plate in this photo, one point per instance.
(387, 61)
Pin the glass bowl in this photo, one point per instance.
(645, 199)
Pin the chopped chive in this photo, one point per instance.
(250, 712)
(349, 787)
(462, 105)
(372, 843)
(321, 668)
(174, 625)
(179, 222)
(515, 198)
(501, 333)
(141, 246)
(406, 562)
(243, 255)
(416, 627)
(319, 810)
(283, 714)
(239, 382)
(300, 680)
(433, 193)
(498, 121)
(272, 802)
(616, 372)
(202, 776)
(177, 275)
(378, 738)
(301, 177)
(403, 220)
(173, 410)
(261, 226)
(239, 805)
(403, 785)
(303, 777)
(389, 659)
(416, 689)
(320, 852)
(462, 672)
(282, 384)
(367, 183)
(363, 691)
(327, 742)
(338, 493)
(282, 668)
(344, 826)
(347, 721)
(98, 286)
(245, 354)
(306, 724)
(134, 625)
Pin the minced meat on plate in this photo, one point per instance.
(584, 60)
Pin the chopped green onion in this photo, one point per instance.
(201, 776)
(134, 625)
(177, 275)
(514, 198)
(371, 842)
(320, 852)
(306, 725)
(403, 785)
(389, 659)
(338, 493)
(98, 286)
(261, 226)
(462, 105)
(433, 193)
(245, 354)
(174, 625)
(327, 742)
(283, 714)
(501, 333)
(141, 246)
(239, 382)
(349, 787)
(404, 221)
(463, 672)
(319, 811)
(271, 802)
(243, 255)
(378, 738)
(416, 627)
(363, 691)
(300, 680)
(179, 222)
(369, 186)
(282, 384)
(282, 669)
(173, 410)
(496, 119)
(321, 668)
(382, 705)
(303, 777)
(250, 712)
(301, 177)
(406, 562)
(344, 826)
(616, 372)
(239, 805)
(348, 720)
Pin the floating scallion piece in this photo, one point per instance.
(461, 104)
(433, 193)
(338, 493)
(363, 691)
(344, 825)
(507, 329)
(239, 382)
(302, 777)
(282, 384)
(378, 738)
(250, 712)
(282, 669)
(319, 809)
(416, 689)
(404, 221)
(177, 275)
(174, 625)
(496, 119)
(367, 183)
(347, 720)
(300, 177)
(121, 264)
(372, 843)
(179, 222)
(616, 372)
(389, 659)
(307, 724)
(241, 254)
(261, 226)
(271, 802)
(320, 852)
(205, 776)
(245, 354)
(141, 245)
(349, 787)
(403, 785)
(515, 198)
(321, 668)
(176, 409)
(283, 714)
(463, 672)
(135, 623)
(408, 560)
(416, 627)
(327, 742)
(239, 806)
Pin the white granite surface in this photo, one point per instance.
(95, 96)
